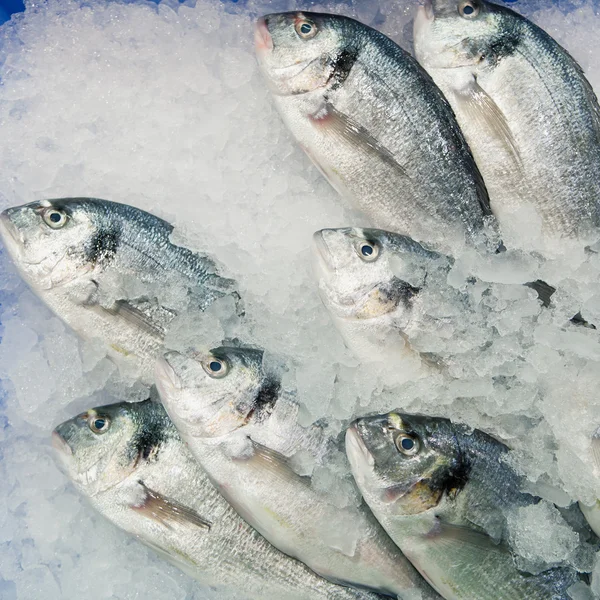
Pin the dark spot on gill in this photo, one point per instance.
(103, 245)
(147, 441)
(397, 291)
(341, 66)
(453, 479)
(265, 399)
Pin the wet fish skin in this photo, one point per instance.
(527, 111)
(243, 428)
(375, 124)
(110, 271)
(139, 474)
(439, 490)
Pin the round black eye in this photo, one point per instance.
(368, 251)
(407, 444)
(54, 218)
(99, 424)
(468, 9)
(306, 29)
(215, 367)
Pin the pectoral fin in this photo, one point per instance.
(462, 541)
(167, 511)
(136, 317)
(480, 107)
(274, 462)
(340, 126)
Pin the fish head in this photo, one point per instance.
(299, 52)
(215, 393)
(405, 464)
(55, 242)
(458, 33)
(368, 273)
(101, 447)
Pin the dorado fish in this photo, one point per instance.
(243, 429)
(441, 492)
(527, 111)
(374, 123)
(111, 272)
(133, 467)
(391, 301)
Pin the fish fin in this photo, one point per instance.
(167, 511)
(340, 125)
(276, 463)
(544, 291)
(460, 539)
(134, 316)
(487, 113)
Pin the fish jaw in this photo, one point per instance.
(263, 42)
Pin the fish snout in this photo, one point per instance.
(262, 37)
(60, 444)
(164, 373)
(322, 248)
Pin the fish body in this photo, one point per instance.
(374, 123)
(243, 430)
(442, 492)
(527, 111)
(133, 467)
(110, 271)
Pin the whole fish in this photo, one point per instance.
(243, 429)
(527, 111)
(374, 123)
(441, 492)
(133, 467)
(111, 272)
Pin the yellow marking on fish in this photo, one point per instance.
(395, 420)
(120, 350)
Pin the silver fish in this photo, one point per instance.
(372, 281)
(111, 272)
(374, 123)
(441, 492)
(133, 467)
(527, 111)
(243, 430)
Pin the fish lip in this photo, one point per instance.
(322, 250)
(8, 232)
(423, 19)
(263, 42)
(165, 373)
(60, 444)
(355, 444)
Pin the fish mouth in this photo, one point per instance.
(424, 18)
(321, 249)
(164, 374)
(11, 236)
(60, 444)
(356, 449)
(263, 42)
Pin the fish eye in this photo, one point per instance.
(468, 9)
(99, 424)
(407, 444)
(54, 218)
(306, 29)
(215, 367)
(368, 251)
